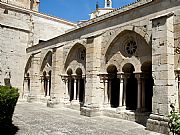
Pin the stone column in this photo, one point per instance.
(139, 94)
(143, 94)
(121, 89)
(26, 90)
(66, 94)
(109, 90)
(75, 90)
(104, 80)
(162, 70)
(78, 87)
(35, 80)
(125, 77)
(177, 72)
(42, 84)
(70, 87)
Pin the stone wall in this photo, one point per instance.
(21, 28)
(14, 40)
(45, 29)
(20, 3)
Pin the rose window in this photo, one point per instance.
(131, 47)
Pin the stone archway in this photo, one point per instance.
(113, 86)
(130, 86)
(27, 78)
(80, 85)
(70, 83)
(46, 74)
(75, 62)
(147, 86)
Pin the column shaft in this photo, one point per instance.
(75, 92)
(139, 94)
(121, 92)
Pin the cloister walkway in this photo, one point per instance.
(37, 119)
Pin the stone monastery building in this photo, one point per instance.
(122, 63)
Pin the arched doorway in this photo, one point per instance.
(80, 86)
(46, 72)
(147, 85)
(70, 84)
(113, 86)
(45, 81)
(131, 86)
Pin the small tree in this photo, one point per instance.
(174, 121)
(8, 100)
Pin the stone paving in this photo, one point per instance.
(37, 119)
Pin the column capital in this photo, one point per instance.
(84, 76)
(125, 75)
(64, 77)
(74, 76)
(103, 76)
(120, 75)
(139, 75)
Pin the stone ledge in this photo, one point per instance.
(158, 123)
(90, 112)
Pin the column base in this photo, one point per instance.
(158, 123)
(121, 108)
(108, 105)
(66, 100)
(90, 111)
(53, 102)
(75, 102)
(31, 98)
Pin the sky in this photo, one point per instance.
(75, 10)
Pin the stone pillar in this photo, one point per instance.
(177, 72)
(75, 90)
(42, 84)
(47, 76)
(121, 89)
(26, 90)
(104, 79)
(78, 87)
(139, 94)
(143, 107)
(57, 87)
(66, 93)
(35, 79)
(164, 92)
(125, 77)
(109, 90)
(93, 99)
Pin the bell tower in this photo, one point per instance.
(100, 11)
(108, 4)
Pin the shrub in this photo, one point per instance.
(174, 121)
(8, 100)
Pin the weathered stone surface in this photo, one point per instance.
(35, 119)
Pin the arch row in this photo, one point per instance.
(128, 77)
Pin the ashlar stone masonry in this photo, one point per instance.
(122, 64)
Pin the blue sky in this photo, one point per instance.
(74, 10)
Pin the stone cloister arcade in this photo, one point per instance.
(123, 64)
(126, 74)
(123, 72)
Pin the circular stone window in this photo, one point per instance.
(130, 47)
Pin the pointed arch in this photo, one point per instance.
(28, 64)
(76, 54)
(47, 61)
